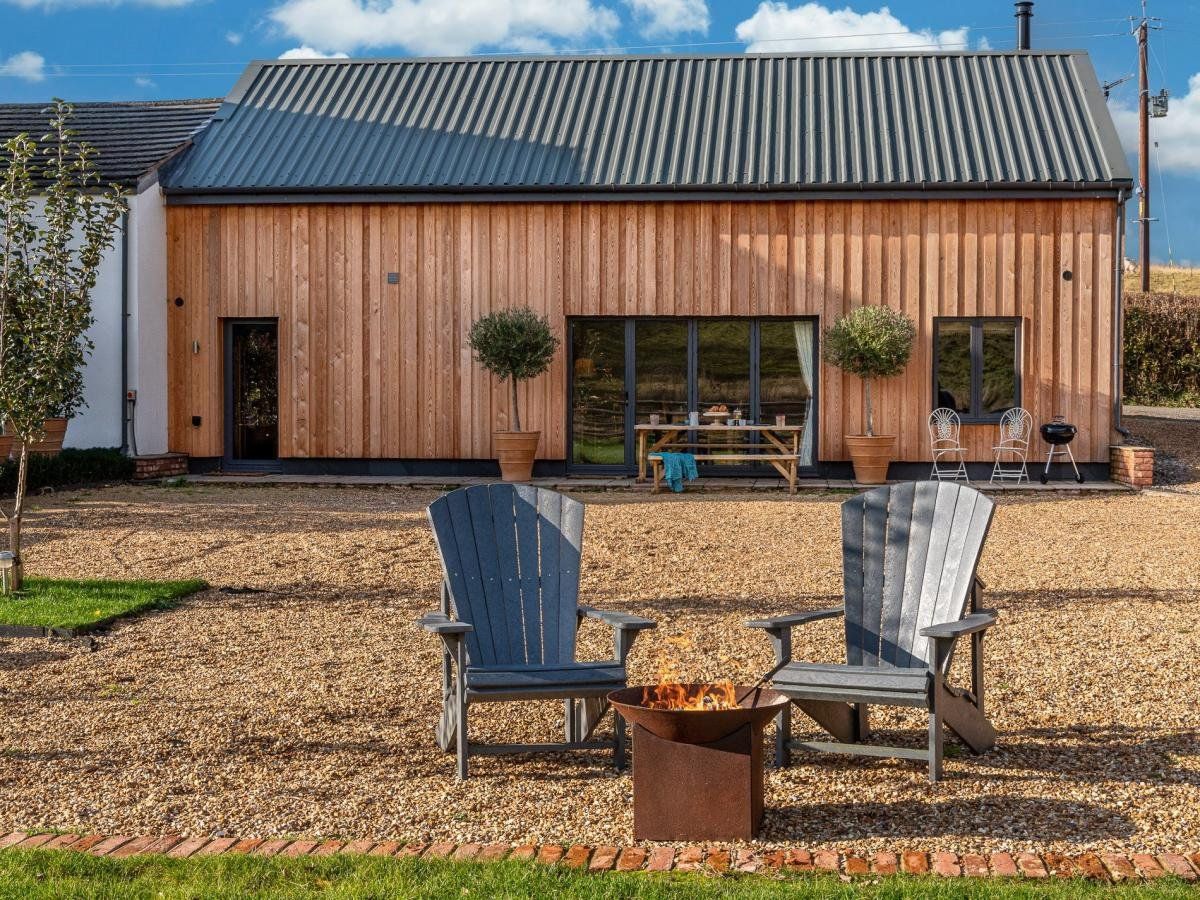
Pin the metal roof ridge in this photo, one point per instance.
(642, 57)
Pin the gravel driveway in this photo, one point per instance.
(1175, 435)
(308, 708)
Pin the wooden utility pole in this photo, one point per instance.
(1144, 153)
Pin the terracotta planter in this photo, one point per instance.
(51, 444)
(515, 451)
(6, 443)
(871, 456)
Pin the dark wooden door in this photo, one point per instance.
(251, 392)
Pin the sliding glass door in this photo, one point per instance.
(786, 373)
(598, 393)
(660, 369)
(623, 371)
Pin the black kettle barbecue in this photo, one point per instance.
(1059, 434)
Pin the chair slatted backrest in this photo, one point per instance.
(909, 556)
(511, 555)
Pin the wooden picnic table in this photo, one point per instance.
(781, 448)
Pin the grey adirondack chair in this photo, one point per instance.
(909, 558)
(509, 614)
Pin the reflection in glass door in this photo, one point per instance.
(723, 379)
(598, 397)
(786, 367)
(661, 380)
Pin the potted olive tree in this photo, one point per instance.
(514, 345)
(871, 342)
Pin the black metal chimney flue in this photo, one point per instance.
(1024, 16)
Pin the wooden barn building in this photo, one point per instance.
(688, 224)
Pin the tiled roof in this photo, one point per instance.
(131, 138)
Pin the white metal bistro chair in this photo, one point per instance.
(1016, 429)
(949, 455)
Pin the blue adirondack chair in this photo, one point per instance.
(509, 615)
(909, 558)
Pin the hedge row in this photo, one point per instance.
(69, 467)
(1162, 349)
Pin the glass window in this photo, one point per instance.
(976, 366)
(786, 368)
(954, 366)
(661, 364)
(998, 384)
(598, 405)
(723, 364)
(723, 381)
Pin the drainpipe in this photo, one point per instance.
(124, 330)
(1118, 327)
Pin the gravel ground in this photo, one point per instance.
(308, 708)
(1175, 435)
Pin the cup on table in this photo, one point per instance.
(693, 418)
(655, 418)
(781, 420)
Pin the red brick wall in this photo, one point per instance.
(164, 465)
(1132, 465)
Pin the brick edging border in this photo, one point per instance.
(1109, 867)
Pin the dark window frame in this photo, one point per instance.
(630, 323)
(975, 416)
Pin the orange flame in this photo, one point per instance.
(718, 695)
(671, 693)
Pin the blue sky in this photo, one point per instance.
(157, 49)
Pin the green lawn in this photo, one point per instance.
(82, 605)
(37, 873)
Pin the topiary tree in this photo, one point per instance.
(50, 254)
(871, 342)
(515, 345)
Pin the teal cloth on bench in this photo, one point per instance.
(678, 467)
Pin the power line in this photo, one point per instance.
(658, 46)
(1162, 193)
(133, 70)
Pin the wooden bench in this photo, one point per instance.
(785, 464)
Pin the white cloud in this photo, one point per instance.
(663, 18)
(233, 37)
(1177, 135)
(440, 27)
(776, 27)
(26, 65)
(309, 53)
(143, 82)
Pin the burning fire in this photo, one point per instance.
(718, 695)
(671, 693)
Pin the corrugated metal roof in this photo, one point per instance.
(131, 138)
(677, 123)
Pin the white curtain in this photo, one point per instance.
(804, 352)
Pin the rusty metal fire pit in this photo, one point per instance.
(698, 773)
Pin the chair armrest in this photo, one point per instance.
(619, 620)
(439, 623)
(790, 621)
(980, 583)
(977, 621)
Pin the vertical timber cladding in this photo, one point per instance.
(378, 370)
